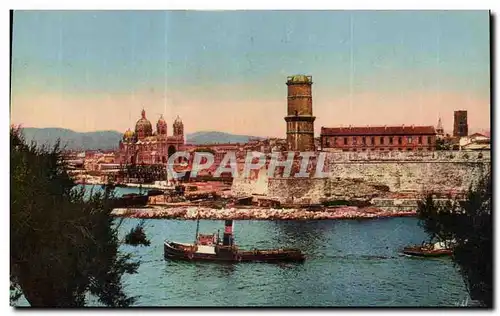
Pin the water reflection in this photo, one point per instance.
(349, 263)
(220, 269)
(308, 236)
(198, 271)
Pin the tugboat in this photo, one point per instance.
(210, 248)
(439, 249)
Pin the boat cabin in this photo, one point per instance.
(207, 240)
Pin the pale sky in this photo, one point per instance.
(226, 71)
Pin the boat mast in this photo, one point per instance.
(197, 230)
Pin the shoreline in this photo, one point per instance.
(194, 213)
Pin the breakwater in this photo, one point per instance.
(192, 213)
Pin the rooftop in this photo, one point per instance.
(378, 130)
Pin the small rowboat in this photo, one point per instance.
(428, 250)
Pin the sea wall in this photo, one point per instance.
(365, 175)
(412, 171)
(319, 190)
(247, 186)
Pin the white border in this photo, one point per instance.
(199, 5)
(255, 5)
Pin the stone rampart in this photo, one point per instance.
(439, 171)
(364, 175)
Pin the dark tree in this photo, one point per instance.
(468, 223)
(443, 144)
(136, 236)
(64, 245)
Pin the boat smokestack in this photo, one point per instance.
(228, 233)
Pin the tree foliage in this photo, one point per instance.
(443, 144)
(468, 223)
(64, 245)
(137, 236)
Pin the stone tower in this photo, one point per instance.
(300, 119)
(460, 126)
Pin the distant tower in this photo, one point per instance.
(439, 129)
(460, 126)
(300, 119)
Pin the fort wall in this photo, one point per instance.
(366, 175)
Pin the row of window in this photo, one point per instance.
(389, 149)
(409, 140)
(147, 147)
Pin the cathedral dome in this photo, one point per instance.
(128, 134)
(143, 127)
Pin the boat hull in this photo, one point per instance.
(172, 251)
(416, 252)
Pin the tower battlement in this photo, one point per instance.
(298, 79)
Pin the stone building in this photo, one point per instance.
(145, 146)
(460, 126)
(475, 141)
(300, 119)
(384, 138)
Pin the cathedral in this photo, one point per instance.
(145, 146)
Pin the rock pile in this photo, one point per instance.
(191, 213)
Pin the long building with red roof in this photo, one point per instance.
(379, 138)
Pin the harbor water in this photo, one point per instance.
(119, 191)
(349, 263)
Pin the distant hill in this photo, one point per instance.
(200, 138)
(109, 139)
(73, 140)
